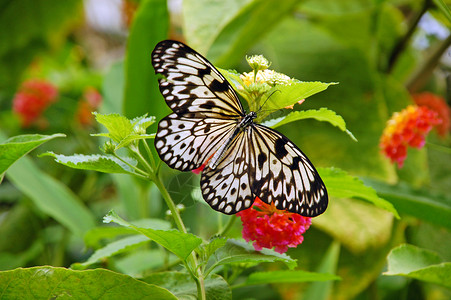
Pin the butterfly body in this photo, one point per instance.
(209, 128)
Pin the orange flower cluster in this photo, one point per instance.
(89, 102)
(437, 104)
(269, 227)
(32, 99)
(407, 128)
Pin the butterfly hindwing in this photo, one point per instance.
(227, 188)
(284, 175)
(191, 85)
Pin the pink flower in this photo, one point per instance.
(407, 128)
(32, 99)
(269, 227)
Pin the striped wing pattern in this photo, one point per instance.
(191, 85)
(257, 161)
(284, 175)
(227, 188)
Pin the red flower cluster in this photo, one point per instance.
(89, 102)
(269, 227)
(407, 128)
(437, 104)
(32, 99)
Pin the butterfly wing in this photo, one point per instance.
(284, 175)
(227, 187)
(191, 85)
(263, 163)
(186, 143)
(206, 108)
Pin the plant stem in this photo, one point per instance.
(149, 153)
(402, 44)
(228, 225)
(142, 160)
(171, 205)
(192, 259)
(420, 76)
(140, 173)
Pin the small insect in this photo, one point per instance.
(242, 159)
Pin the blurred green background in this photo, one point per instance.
(381, 53)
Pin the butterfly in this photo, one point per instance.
(209, 128)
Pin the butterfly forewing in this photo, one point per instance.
(191, 85)
(207, 115)
(284, 175)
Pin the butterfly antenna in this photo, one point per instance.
(266, 101)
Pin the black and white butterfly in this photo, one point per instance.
(209, 127)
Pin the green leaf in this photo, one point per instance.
(143, 121)
(212, 246)
(444, 9)
(113, 248)
(119, 127)
(413, 262)
(113, 89)
(122, 130)
(341, 185)
(323, 114)
(179, 243)
(323, 290)
(94, 162)
(140, 261)
(15, 147)
(287, 95)
(422, 204)
(93, 237)
(240, 29)
(202, 31)
(133, 137)
(183, 286)
(238, 251)
(288, 277)
(51, 196)
(150, 25)
(61, 283)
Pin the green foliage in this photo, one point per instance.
(431, 207)
(342, 185)
(16, 147)
(95, 162)
(179, 243)
(238, 252)
(413, 262)
(288, 276)
(122, 130)
(44, 24)
(181, 285)
(51, 196)
(51, 282)
(171, 246)
(323, 290)
(322, 114)
(141, 89)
